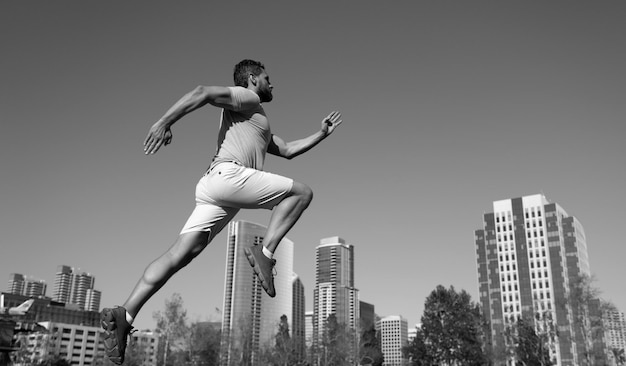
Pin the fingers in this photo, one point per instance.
(153, 143)
(333, 119)
(156, 138)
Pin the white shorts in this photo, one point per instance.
(228, 187)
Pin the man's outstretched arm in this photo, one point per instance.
(160, 133)
(290, 150)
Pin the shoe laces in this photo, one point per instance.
(130, 335)
(274, 271)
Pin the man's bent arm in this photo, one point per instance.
(160, 133)
(290, 150)
(218, 96)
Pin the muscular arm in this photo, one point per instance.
(160, 133)
(290, 150)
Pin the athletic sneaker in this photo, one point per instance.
(263, 267)
(116, 331)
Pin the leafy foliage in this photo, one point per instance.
(336, 344)
(531, 348)
(370, 346)
(451, 331)
(204, 344)
(588, 310)
(172, 323)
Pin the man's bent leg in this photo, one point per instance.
(286, 214)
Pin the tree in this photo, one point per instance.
(530, 348)
(451, 331)
(418, 351)
(204, 344)
(336, 344)
(172, 323)
(283, 349)
(369, 346)
(619, 356)
(135, 354)
(587, 310)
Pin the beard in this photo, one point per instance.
(265, 95)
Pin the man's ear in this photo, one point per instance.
(252, 79)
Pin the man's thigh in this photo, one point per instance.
(236, 186)
(209, 218)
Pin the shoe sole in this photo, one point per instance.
(257, 270)
(107, 321)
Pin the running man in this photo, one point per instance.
(234, 180)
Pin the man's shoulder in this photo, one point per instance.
(244, 99)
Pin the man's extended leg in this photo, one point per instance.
(117, 321)
(285, 215)
(186, 248)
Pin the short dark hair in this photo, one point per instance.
(245, 68)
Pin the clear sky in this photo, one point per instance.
(447, 107)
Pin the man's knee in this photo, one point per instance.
(187, 247)
(304, 192)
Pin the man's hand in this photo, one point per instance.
(331, 122)
(159, 135)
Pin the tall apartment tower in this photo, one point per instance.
(16, 284)
(75, 287)
(393, 336)
(297, 318)
(530, 255)
(250, 318)
(334, 291)
(615, 325)
(20, 285)
(63, 284)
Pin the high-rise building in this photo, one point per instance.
(35, 288)
(250, 317)
(308, 329)
(334, 291)
(615, 326)
(21, 285)
(72, 286)
(393, 336)
(92, 300)
(367, 315)
(63, 284)
(530, 255)
(297, 318)
(16, 284)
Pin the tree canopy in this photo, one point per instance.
(450, 332)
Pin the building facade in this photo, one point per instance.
(21, 285)
(367, 315)
(531, 255)
(297, 327)
(393, 336)
(250, 317)
(615, 326)
(335, 291)
(72, 286)
(78, 344)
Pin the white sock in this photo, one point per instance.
(267, 253)
(129, 318)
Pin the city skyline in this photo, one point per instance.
(447, 107)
